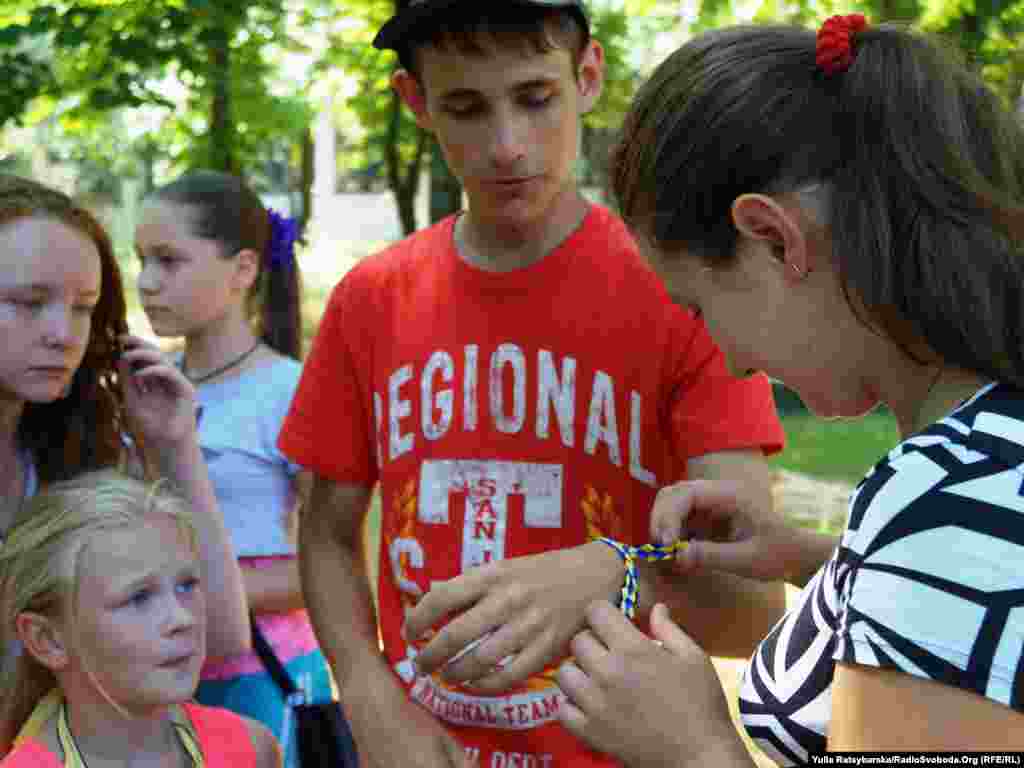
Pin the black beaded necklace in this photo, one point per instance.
(218, 371)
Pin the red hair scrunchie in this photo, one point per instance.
(834, 52)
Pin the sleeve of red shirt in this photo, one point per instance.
(713, 411)
(328, 429)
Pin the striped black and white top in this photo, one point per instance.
(928, 580)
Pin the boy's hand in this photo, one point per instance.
(532, 606)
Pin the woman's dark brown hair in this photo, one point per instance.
(921, 169)
(230, 214)
(83, 430)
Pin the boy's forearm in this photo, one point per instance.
(336, 587)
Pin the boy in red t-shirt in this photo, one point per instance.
(518, 382)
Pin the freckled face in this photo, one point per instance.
(50, 277)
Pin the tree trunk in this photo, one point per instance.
(148, 154)
(404, 182)
(306, 179)
(445, 190)
(587, 153)
(222, 128)
(974, 38)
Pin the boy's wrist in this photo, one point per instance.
(612, 565)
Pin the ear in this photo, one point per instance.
(764, 220)
(247, 269)
(43, 639)
(590, 76)
(410, 91)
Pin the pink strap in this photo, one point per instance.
(223, 737)
(31, 754)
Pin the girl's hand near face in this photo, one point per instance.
(650, 705)
(161, 408)
(726, 535)
(159, 400)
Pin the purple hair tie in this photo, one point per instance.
(284, 231)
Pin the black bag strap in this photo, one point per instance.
(270, 661)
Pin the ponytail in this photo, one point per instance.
(920, 166)
(280, 315)
(228, 212)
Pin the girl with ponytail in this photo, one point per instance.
(219, 269)
(846, 211)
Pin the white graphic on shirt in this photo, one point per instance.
(443, 400)
(508, 355)
(485, 492)
(602, 424)
(560, 394)
(511, 406)
(516, 712)
(487, 499)
(398, 409)
(414, 551)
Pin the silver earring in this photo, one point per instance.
(799, 274)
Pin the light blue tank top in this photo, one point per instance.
(239, 421)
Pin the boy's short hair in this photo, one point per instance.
(532, 26)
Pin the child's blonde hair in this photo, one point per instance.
(40, 566)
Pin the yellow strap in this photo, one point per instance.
(72, 757)
(182, 726)
(187, 733)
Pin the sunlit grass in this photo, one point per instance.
(836, 449)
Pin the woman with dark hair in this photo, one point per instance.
(219, 269)
(74, 384)
(846, 210)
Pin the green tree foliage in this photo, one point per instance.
(991, 35)
(390, 139)
(24, 70)
(115, 54)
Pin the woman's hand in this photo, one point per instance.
(650, 704)
(159, 400)
(532, 606)
(726, 535)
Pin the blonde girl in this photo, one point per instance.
(100, 581)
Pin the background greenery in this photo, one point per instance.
(135, 91)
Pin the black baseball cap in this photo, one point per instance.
(396, 32)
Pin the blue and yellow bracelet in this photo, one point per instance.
(630, 594)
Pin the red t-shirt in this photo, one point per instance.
(509, 414)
